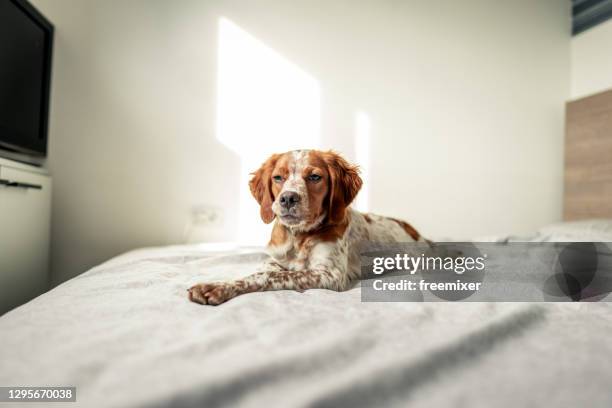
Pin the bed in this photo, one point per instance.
(125, 335)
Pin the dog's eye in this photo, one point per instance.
(314, 177)
(277, 178)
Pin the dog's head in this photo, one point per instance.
(303, 188)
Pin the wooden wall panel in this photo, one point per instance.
(588, 158)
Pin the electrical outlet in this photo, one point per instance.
(207, 215)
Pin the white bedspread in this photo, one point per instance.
(125, 335)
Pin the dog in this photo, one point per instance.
(316, 236)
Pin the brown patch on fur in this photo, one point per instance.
(279, 235)
(408, 228)
(304, 241)
(325, 233)
(261, 188)
(344, 184)
(367, 218)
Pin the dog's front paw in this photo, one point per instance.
(211, 293)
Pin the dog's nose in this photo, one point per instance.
(289, 199)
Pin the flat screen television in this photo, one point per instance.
(26, 40)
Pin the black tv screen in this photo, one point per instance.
(26, 39)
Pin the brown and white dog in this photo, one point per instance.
(316, 236)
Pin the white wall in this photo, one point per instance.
(464, 102)
(591, 61)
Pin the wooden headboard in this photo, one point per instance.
(588, 158)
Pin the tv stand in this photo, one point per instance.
(25, 219)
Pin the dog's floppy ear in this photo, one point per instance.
(344, 182)
(261, 188)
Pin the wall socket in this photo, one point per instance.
(207, 215)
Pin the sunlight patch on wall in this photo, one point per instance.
(265, 104)
(363, 127)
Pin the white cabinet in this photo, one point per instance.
(25, 216)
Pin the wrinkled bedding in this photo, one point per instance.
(125, 335)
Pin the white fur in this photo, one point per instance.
(296, 183)
(341, 259)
